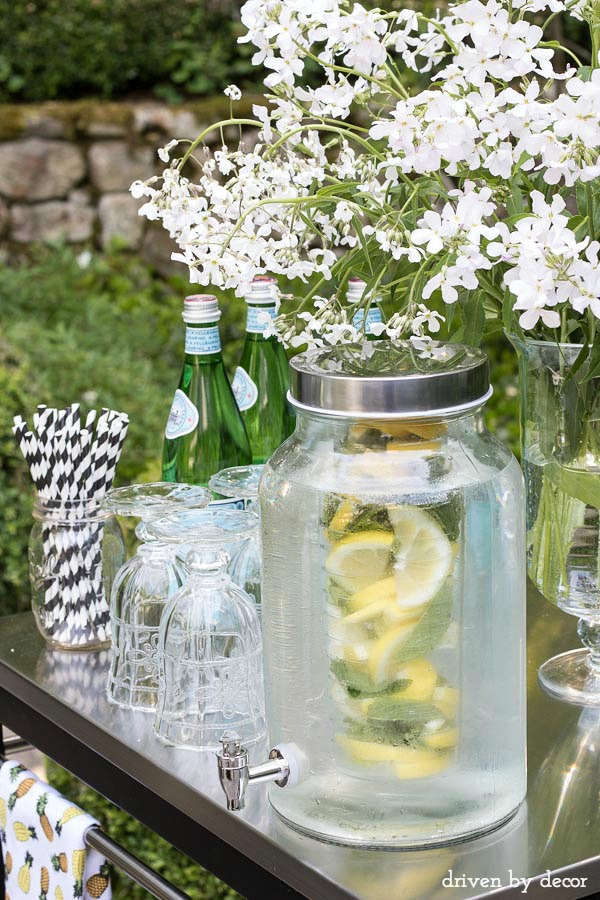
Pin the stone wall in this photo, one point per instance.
(65, 169)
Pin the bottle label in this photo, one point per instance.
(228, 503)
(244, 390)
(259, 317)
(183, 417)
(373, 316)
(199, 341)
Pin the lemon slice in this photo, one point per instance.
(384, 649)
(409, 762)
(423, 678)
(366, 751)
(446, 700)
(375, 751)
(402, 430)
(380, 597)
(422, 764)
(343, 516)
(359, 559)
(423, 556)
(441, 740)
(419, 447)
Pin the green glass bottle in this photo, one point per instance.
(205, 431)
(355, 291)
(262, 379)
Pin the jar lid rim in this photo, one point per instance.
(390, 378)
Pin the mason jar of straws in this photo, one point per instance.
(70, 585)
(76, 546)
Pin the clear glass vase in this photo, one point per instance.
(75, 550)
(560, 440)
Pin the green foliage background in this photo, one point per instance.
(67, 49)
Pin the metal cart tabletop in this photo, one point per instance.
(57, 702)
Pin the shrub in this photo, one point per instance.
(109, 334)
(68, 49)
(15, 493)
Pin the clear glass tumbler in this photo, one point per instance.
(210, 658)
(238, 483)
(233, 530)
(141, 589)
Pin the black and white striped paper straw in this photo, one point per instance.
(72, 462)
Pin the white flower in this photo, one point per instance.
(163, 152)
(426, 318)
(233, 92)
(84, 258)
(343, 212)
(431, 233)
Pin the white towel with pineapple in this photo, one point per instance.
(43, 842)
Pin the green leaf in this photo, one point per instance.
(411, 713)
(430, 629)
(515, 205)
(474, 316)
(358, 683)
(582, 485)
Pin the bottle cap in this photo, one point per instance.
(263, 290)
(199, 308)
(356, 289)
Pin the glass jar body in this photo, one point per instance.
(394, 627)
(75, 551)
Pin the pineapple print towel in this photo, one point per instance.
(43, 842)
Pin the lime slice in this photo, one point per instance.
(423, 556)
(359, 559)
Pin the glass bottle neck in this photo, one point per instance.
(203, 342)
(258, 317)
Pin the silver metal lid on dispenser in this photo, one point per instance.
(392, 379)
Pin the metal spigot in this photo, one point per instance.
(235, 774)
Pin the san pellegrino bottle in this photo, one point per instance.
(205, 431)
(261, 381)
(355, 292)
